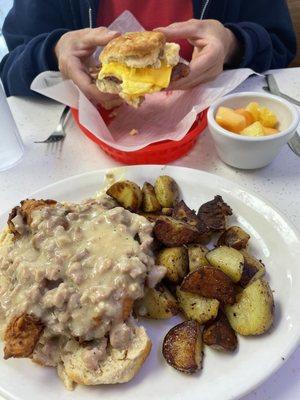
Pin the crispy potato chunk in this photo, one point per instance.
(210, 282)
(166, 190)
(197, 257)
(152, 217)
(175, 259)
(158, 303)
(182, 347)
(219, 335)
(182, 212)
(127, 194)
(150, 202)
(253, 312)
(214, 213)
(227, 259)
(167, 211)
(234, 237)
(173, 233)
(197, 307)
(21, 336)
(252, 270)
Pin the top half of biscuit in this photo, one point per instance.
(140, 50)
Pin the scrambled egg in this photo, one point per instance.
(138, 81)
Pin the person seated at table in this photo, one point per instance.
(216, 34)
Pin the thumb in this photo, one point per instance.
(99, 37)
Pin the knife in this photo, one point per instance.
(274, 89)
(294, 142)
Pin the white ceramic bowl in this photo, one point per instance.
(252, 152)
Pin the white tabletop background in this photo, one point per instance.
(279, 183)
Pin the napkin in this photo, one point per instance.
(162, 116)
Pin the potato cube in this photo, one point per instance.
(255, 130)
(228, 119)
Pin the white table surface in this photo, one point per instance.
(279, 183)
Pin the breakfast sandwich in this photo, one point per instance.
(139, 63)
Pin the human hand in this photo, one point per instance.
(73, 51)
(214, 46)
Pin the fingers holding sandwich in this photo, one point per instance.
(214, 46)
(73, 51)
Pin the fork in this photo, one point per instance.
(59, 134)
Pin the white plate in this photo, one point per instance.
(224, 376)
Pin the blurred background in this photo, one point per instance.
(5, 5)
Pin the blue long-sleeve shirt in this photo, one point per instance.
(32, 28)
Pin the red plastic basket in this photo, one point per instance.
(155, 153)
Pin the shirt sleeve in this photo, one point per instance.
(266, 34)
(31, 30)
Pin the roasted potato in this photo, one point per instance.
(149, 202)
(197, 257)
(214, 213)
(252, 270)
(211, 283)
(152, 217)
(167, 211)
(127, 194)
(21, 336)
(253, 312)
(182, 212)
(166, 190)
(182, 347)
(175, 259)
(227, 259)
(197, 307)
(173, 233)
(234, 237)
(219, 335)
(157, 303)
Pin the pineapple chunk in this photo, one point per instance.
(247, 114)
(230, 120)
(270, 131)
(267, 117)
(254, 109)
(255, 129)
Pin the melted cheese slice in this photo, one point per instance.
(138, 81)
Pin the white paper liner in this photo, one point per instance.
(162, 116)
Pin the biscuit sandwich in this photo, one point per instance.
(139, 63)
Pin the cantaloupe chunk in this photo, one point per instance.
(247, 114)
(254, 109)
(230, 120)
(267, 117)
(255, 129)
(270, 131)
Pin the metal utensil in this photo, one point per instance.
(59, 134)
(294, 144)
(273, 88)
